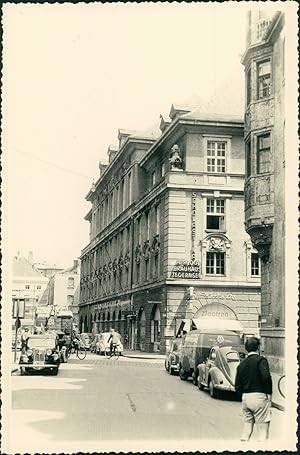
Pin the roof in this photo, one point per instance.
(150, 133)
(199, 114)
(23, 268)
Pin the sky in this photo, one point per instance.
(74, 74)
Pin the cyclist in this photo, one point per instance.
(114, 339)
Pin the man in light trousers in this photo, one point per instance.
(254, 382)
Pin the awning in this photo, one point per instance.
(222, 324)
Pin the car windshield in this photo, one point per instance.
(41, 343)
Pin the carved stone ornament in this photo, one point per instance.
(120, 262)
(127, 260)
(216, 244)
(175, 159)
(104, 270)
(146, 250)
(110, 267)
(137, 253)
(115, 265)
(155, 247)
(261, 237)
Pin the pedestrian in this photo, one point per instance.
(254, 382)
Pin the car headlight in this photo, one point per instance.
(49, 351)
(29, 352)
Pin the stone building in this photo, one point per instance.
(265, 174)
(28, 286)
(167, 239)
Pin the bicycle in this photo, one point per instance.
(80, 351)
(114, 352)
(279, 385)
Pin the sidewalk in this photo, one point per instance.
(277, 400)
(142, 355)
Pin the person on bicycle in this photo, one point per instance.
(114, 339)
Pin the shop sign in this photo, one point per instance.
(212, 295)
(193, 224)
(215, 310)
(186, 270)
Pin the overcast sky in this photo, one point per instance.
(74, 74)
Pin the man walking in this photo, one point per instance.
(254, 382)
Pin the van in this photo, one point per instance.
(196, 346)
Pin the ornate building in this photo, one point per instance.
(167, 240)
(265, 161)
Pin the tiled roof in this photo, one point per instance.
(23, 268)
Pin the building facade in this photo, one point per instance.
(28, 287)
(265, 174)
(167, 239)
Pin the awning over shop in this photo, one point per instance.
(209, 323)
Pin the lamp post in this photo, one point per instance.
(18, 314)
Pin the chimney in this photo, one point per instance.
(30, 257)
(75, 264)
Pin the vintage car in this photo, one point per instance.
(196, 345)
(172, 356)
(219, 370)
(103, 343)
(41, 352)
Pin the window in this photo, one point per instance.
(255, 264)
(147, 222)
(157, 220)
(248, 89)
(137, 273)
(153, 178)
(216, 156)
(248, 159)
(27, 286)
(263, 79)
(129, 188)
(215, 209)
(215, 263)
(71, 282)
(163, 170)
(263, 153)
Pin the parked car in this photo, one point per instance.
(86, 339)
(195, 348)
(172, 356)
(104, 343)
(42, 352)
(219, 370)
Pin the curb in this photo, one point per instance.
(141, 357)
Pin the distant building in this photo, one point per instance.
(28, 287)
(265, 173)
(167, 239)
(46, 269)
(64, 289)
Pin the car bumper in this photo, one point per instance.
(224, 387)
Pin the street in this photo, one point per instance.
(99, 401)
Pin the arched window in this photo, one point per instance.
(155, 325)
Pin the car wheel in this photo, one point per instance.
(54, 371)
(195, 378)
(171, 371)
(212, 391)
(200, 386)
(182, 374)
